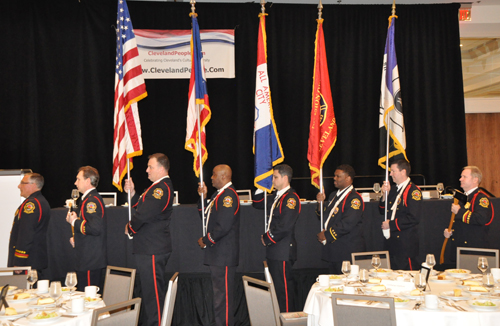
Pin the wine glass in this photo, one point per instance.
(55, 290)
(489, 281)
(364, 276)
(75, 194)
(346, 269)
(420, 283)
(71, 282)
(482, 264)
(430, 260)
(376, 262)
(376, 188)
(32, 278)
(440, 188)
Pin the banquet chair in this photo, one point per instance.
(267, 273)
(168, 307)
(364, 259)
(467, 257)
(245, 194)
(126, 317)
(348, 313)
(118, 284)
(7, 276)
(263, 307)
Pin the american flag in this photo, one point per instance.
(197, 96)
(129, 89)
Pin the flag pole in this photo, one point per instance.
(198, 108)
(263, 12)
(393, 13)
(129, 199)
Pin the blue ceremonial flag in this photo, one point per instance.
(266, 144)
(197, 96)
(391, 106)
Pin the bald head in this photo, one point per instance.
(221, 175)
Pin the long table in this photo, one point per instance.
(187, 257)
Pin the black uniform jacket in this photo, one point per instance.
(472, 221)
(223, 230)
(90, 233)
(404, 228)
(280, 239)
(344, 234)
(28, 240)
(150, 224)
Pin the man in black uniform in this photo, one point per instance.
(89, 230)
(28, 241)
(403, 215)
(221, 242)
(150, 229)
(281, 247)
(472, 219)
(343, 213)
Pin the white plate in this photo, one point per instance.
(475, 292)
(11, 288)
(483, 308)
(451, 295)
(10, 298)
(245, 202)
(71, 313)
(447, 279)
(32, 318)
(388, 272)
(455, 272)
(378, 293)
(401, 304)
(92, 303)
(20, 313)
(408, 295)
(33, 304)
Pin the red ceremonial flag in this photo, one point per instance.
(129, 89)
(323, 127)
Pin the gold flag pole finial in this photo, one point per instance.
(193, 9)
(320, 8)
(263, 6)
(394, 8)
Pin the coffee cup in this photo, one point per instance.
(324, 280)
(43, 286)
(431, 301)
(496, 273)
(354, 270)
(77, 304)
(91, 291)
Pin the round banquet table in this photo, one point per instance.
(319, 309)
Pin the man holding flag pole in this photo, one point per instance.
(198, 107)
(323, 126)
(404, 199)
(267, 146)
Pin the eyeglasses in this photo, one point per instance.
(26, 183)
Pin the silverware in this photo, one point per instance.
(68, 316)
(417, 306)
(370, 302)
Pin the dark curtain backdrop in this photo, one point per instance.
(57, 78)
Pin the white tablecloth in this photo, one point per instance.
(319, 307)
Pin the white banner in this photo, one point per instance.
(166, 54)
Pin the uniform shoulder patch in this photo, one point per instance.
(416, 195)
(484, 202)
(29, 208)
(91, 207)
(228, 201)
(158, 193)
(291, 203)
(355, 203)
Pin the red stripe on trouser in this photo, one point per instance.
(227, 308)
(88, 277)
(409, 260)
(156, 290)
(286, 288)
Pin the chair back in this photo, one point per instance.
(262, 303)
(245, 194)
(168, 307)
(267, 273)
(347, 313)
(7, 276)
(125, 317)
(364, 259)
(467, 258)
(118, 285)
